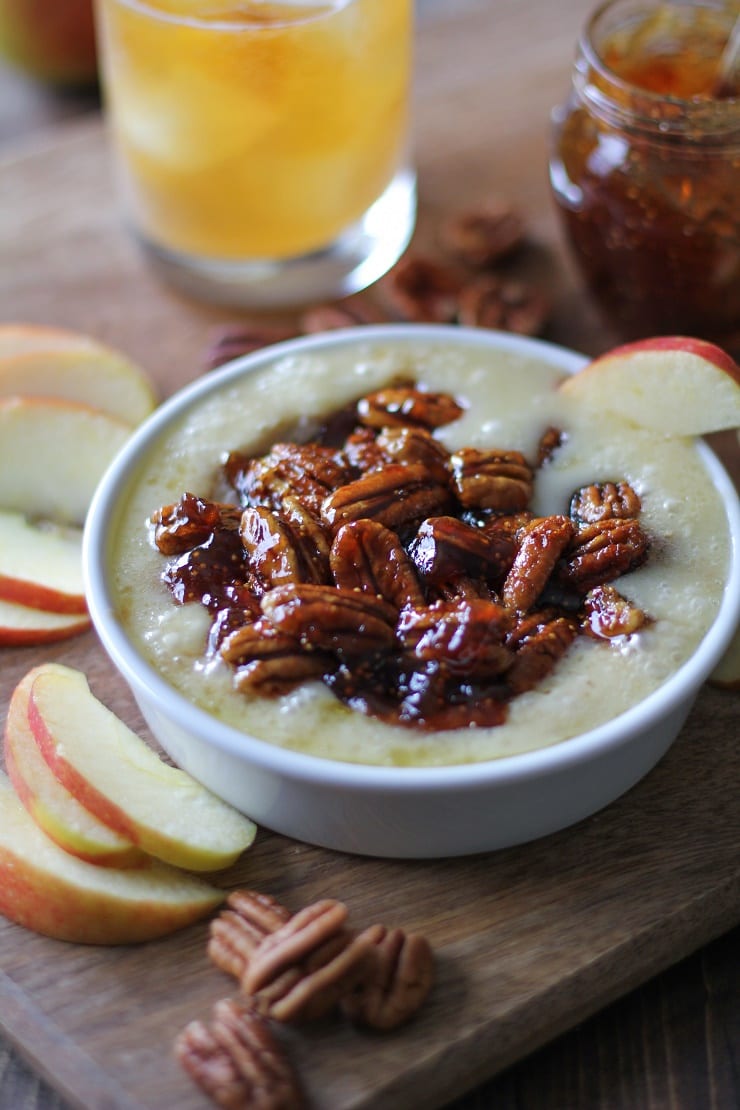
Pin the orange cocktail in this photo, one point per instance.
(255, 129)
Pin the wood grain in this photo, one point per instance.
(531, 941)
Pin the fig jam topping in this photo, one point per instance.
(418, 585)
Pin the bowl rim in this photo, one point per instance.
(522, 766)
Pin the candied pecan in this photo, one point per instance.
(607, 614)
(550, 440)
(465, 637)
(190, 522)
(332, 619)
(543, 542)
(368, 557)
(237, 1061)
(302, 970)
(396, 406)
(215, 573)
(463, 588)
(233, 340)
(277, 550)
(396, 495)
(327, 317)
(493, 302)
(601, 552)
(604, 501)
(538, 641)
(362, 452)
(482, 236)
(415, 445)
(422, 290)
(445, 548)
(238, 930)
(498, 480)
(400, 983)
(306, 471)
(269, 661)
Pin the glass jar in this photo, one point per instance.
(645, 169)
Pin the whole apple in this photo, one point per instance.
(53, 40)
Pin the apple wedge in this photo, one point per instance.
(673, 385)
(726, 675)
(115, 775)
(51, 362)
(53, 808)
(23, 626)
(53, 454)
(41, 566)
(44, 888)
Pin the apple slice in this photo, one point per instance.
(54, 809)
(726, 674)
(53, 454)
(52, 892)
(674, 385)
(114, 774)
(41, 566)
(22, 625)
(51, 362)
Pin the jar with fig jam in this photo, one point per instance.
(645, 168)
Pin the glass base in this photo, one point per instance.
(361, 255)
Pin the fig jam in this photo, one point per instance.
(645, 170)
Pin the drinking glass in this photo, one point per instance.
(262, 146)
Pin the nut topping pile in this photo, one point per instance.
(417, 583)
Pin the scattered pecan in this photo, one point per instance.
(237, 1061)
(543, 542)
(401, 982)
(601, 552)
(483, 236)
(368, 557)
(498, 480)
(327, 317)
(332, 619)
(396, 495)
(538, 641)
(233, 340)
(604, 501)
(607, 614)
(398, 406)
(422, 290)
(239, 929)
(489, 301)
(301, 971)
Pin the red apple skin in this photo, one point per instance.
(699, 347)
(72, 780)
(53, 40)
(36, 596)
(30, 637)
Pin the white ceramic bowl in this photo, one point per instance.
(388, 811)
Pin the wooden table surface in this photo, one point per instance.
(675, 1042)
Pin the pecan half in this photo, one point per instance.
(306, 471)
(401, 981)
(333, 619)
(607, 614)
(482, 236)
(601, 552)
(327, 317)
(498, 480)
(543, 542)
(278, 550)
(190, 522)
(493, 302)
(550, 440)
(368, 557)
(396, 496)
(605, 501)
(301, 971)
(237, 1061)
(415, 445)
(397, 406)
(422, 290)
(445, 548)
(539, 640)
(238, 930)
(234, 340)
(465, 638)
(270, 661)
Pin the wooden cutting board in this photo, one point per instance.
(529, 941)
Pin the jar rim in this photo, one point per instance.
(641, 106)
